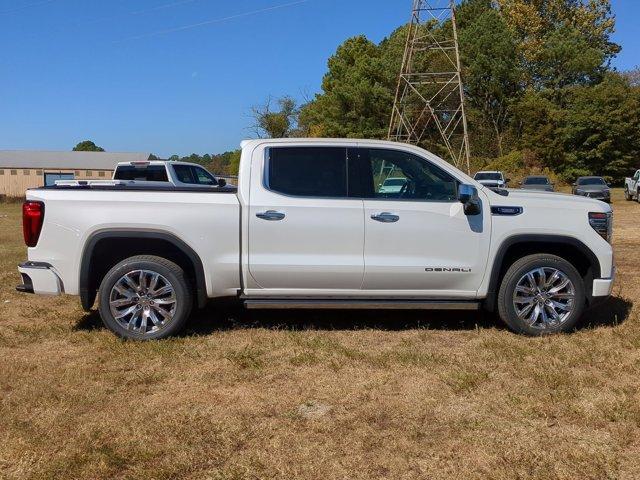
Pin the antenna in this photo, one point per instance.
(429, 102)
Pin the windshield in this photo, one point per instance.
(591, 181)
(488, 176)
(394, 182)
(536, 181)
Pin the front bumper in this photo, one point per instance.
(40, 278)
(604, 197)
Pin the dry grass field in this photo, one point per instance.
(303, 395)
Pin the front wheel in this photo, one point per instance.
(144, 298)
(541, 294)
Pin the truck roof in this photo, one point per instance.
(156, 162)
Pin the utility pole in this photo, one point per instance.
(429, 103)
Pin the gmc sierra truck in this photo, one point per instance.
(310, 226)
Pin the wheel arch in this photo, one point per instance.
(104, 249)
(518, 246)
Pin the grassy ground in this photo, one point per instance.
(337, 395)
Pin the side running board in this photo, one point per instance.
(335, 304)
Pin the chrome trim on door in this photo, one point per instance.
(270, 215)
(385, 217)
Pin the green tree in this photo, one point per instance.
(226, 163)
(279, 123)
(87, 146)
(533, 21)
(357, 94)
(567, 58)
(633, 76)
(491, 71)
(601, 129)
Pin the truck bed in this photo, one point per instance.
(132, 185)
(207, 220)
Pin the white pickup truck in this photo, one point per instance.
(307, 227)
(632, 187)
(180, 174)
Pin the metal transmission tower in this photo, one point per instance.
(429, 102)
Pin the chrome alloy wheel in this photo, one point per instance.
(143, 301)
(544, 298)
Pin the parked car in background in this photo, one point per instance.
(491, 179)
(392, 185)
(537, 182)
(307, 227)
(632, 187)
(180, 174)
(592, 187)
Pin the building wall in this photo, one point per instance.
(15, 181)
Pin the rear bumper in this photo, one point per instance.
(602, 287)
(39, 277)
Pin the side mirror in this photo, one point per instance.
(222, 182)
(609, 185)
(468, 196)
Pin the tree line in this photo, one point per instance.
(540, 92)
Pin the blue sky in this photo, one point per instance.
(179, 76)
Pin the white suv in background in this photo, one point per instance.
(491, 179)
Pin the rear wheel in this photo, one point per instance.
(145, 297)
(541, 294)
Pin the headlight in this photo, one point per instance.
(602, 223)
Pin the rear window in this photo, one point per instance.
(488, 176)
(591, 181)
(308, 171)
(152, 173)
(536, 181)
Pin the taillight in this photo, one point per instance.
(32, 219)
(602, 223)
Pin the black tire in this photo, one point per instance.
(638, 196)
(516, 272)
(169, 273)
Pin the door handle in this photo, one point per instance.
(385, 217)
(271, 215)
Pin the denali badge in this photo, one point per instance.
(448, 269)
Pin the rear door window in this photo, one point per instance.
(308, 171)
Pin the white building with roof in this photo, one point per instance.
(21, 169)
